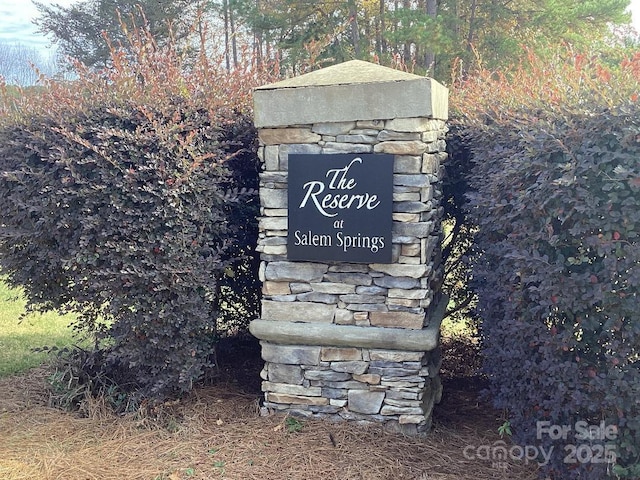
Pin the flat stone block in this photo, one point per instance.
(354, 367)
(334, 393)
(355, 298)
(391, 410)
(398, 394)
(409, 294)
(301, 148)
(333, 128)
(324, 409)
(386, 135)
(362, 401)
(402, 384)
(349, 268)
(407, 164)
(409, 147)
(437, 146)
(279, 373)
(298, 311)
(411, 250)
(373, 124)
(276, 136)
(397, 320)
(369, 378)
(430, 163)
(291, 389)
(364, 131)
(417, 229)
(272, 241)
(411, 207)
(347, 385)
(326, 375)
(411, 419)
(332, 354)
(333, 288)
(290, 354)
(356, 139)
(349, 278)
(272, 223)
(406, 197)
(394, 402)
(412, 271)
(367, 307)
(274, 212)
(336, 147)
(428, 137)
(276, 288)
(397, 282)
(295, 399)
(318, 297)
(402, 302)
(406, 217)
(416, 124)
(344, 317)
(397, 374)
(271, 158)
(371, 290)
(407, 180)
(273, 197)
(295, 271)
(299, 287)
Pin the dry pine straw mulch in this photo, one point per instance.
(217, 433)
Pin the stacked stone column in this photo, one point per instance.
(348, 340)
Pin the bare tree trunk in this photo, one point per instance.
(406, 48)
(367, 32)
(355, 33)
(472, 21)
(257, 40)
(234, 42)
(225, 8)
(396, 47)
(430, 56)
(380, 40)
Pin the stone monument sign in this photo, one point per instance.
(350, 233)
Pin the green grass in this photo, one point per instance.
(18, 337)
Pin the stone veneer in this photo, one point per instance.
(346, 340)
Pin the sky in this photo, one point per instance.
(16, 25)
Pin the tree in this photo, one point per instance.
(17, 64)
(493, 31)
(426, 35)
(80, 29)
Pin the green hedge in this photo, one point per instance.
(133, 216)
(555, 191)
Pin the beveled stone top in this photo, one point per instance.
(353, 90)
(351, 72)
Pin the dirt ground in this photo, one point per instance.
(217, 433)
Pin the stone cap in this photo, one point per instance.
(347, 73)
(354, 90)
(285, 332)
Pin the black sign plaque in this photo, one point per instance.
(340, 207)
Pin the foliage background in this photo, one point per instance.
(125, 196)
(420, 35)
(555, 191)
